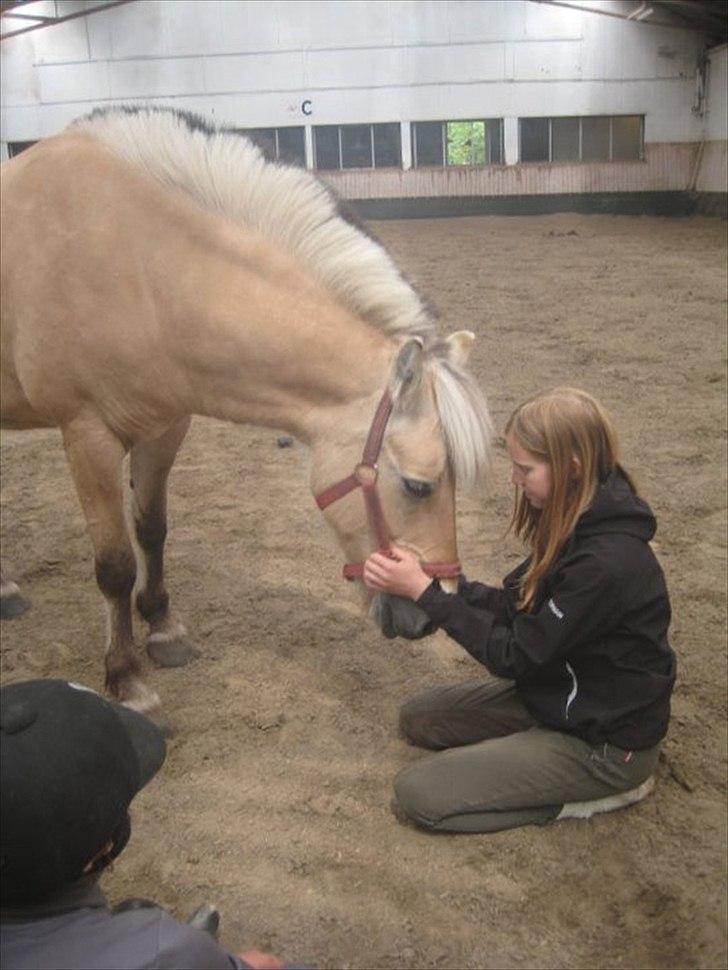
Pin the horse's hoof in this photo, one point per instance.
(13, 604)
(174, 652)
(162, 723)
(154, 713)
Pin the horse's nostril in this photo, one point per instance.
(382, 612)
(398, 617)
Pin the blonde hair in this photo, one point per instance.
(558, 426)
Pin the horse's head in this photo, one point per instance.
(438, 433)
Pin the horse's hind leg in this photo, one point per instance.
(168, 644)
(95, 457)
(12, 601)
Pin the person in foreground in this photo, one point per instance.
(70, 764)
(576, 640)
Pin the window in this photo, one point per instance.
(595, 139)
(535, 140)
(279, 144)
(327, 151)
(598, 139)
(387, 146)
(357, 146)
(457, 142)
(565, 139)
(16, 147)
(626, 138)
(428, 143)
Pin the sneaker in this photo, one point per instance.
(609, 804)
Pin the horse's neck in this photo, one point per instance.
(265, 343)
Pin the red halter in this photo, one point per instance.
(365, 476)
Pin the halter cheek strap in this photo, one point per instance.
(365, 476)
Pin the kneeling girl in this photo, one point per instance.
(576, 641)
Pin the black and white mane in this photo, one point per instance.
(225, 172)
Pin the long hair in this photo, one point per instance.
(559, 426)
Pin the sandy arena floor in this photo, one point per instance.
(274, 802)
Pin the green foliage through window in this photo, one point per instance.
(466, 143)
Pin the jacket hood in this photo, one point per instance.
(616, 508)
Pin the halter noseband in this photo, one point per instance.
(365, 476)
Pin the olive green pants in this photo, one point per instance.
(501, 769)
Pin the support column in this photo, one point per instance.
(405, 130)
(510, 140)
(308, 144)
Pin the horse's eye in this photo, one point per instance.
(416, 488)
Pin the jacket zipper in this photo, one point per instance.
(574, 689)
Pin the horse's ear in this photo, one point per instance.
(407, 369)
(459, 346)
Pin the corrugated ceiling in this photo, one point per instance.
(708, 15)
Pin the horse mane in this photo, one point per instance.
(464, 418)
(225, 172)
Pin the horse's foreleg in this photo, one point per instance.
(168, 644)
(95, 457)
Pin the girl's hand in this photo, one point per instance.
(262, 961)
(400, 575)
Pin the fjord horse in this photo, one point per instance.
(154, 268)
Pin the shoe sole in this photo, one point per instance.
(610, 804)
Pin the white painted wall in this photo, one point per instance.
(712, 168)
(667, 168)
(253, 62)
(716, 115)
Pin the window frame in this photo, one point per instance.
(248, 133)
(371, 125)
(444, 163)
(640, 157)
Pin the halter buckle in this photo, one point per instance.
(366, 474)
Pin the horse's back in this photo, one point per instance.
(37, 227)
(21, 195)
(75, 309)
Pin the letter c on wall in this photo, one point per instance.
(306, 107)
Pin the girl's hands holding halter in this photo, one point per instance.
(401, 574)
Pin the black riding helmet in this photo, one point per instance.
(70, 764)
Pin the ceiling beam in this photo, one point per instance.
(582, 8)
(52, 21)
(30, 16)
(711, 16)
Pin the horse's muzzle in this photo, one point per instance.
(399, 617)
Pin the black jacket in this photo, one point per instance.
(592, 657)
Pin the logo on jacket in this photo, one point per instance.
(555, 610)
